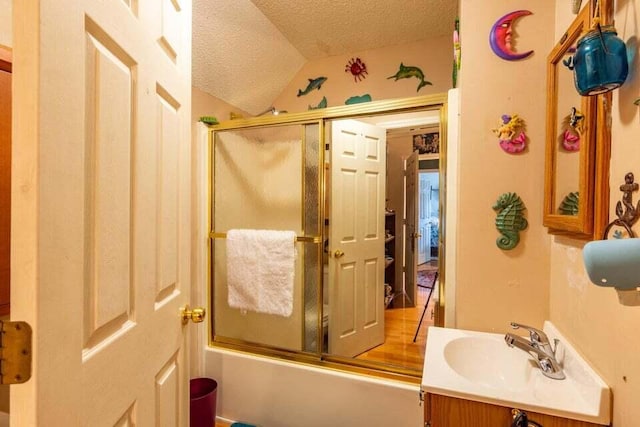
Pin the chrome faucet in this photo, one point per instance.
(538, 338)
(540, 348)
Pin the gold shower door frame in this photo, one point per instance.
(320, 117)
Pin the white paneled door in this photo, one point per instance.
(411, 232)
(356, 240)
(101, 207)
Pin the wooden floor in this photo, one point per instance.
(400, 327)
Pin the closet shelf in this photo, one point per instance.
(388, 299)
(391, 253)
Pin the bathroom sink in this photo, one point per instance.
(491, 366)
(480, 366)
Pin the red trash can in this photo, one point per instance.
(202, 393)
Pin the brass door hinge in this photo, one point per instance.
(15, 352)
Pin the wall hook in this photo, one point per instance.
(627, 213)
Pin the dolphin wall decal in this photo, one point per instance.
(313, 84)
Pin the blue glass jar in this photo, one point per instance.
(600, 62)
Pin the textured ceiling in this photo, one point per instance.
(239, 56)
(246, 52)
(320, 28)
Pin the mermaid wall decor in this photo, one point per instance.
(511, 134)
(572, 130)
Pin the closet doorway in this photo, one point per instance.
(428, 217)
(411, 210)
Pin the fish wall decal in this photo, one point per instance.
(321, 104)
(406, 72)
(358, 99)
(210, 120)
(313, 84)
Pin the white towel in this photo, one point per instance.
(260, 270)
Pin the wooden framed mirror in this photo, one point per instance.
(577, 142)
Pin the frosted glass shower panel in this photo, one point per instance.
(259, 182)
(258, 178)
(312, 251)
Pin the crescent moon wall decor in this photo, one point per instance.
(500, 37)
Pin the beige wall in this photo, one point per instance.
(493, 286)
(204, 104)
(603, 330)
(433, 56)
(5, 23)
(546, 278)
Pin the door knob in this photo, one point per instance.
(338, 253)
(196, 315)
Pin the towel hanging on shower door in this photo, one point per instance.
(260, 270)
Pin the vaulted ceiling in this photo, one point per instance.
(245, 52)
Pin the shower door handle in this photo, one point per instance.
(338, 253)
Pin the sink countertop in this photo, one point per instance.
(480, 366)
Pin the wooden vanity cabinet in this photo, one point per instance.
(443, 411)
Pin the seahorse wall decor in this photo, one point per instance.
(570, 204)
(510, 220)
